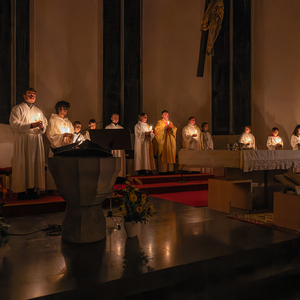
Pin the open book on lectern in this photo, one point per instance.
(112, 139)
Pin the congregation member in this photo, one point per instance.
(295, 138)
(165, 136)
(274, 141)
(28, 163)
(92, 125)
(191, 139)
(247, 138)
(143, 147)
(77, 136)
(206, 139)
(60, 130)
(118, 153)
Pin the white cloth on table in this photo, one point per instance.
(28, 163)
(142, 146)
(273, 141)
(119, 153)
(295, 140)
(246, 138)
(256, 160)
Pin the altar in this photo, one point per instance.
(258, 166)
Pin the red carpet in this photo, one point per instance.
(192, 198)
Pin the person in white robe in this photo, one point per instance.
(191, 140)
(143, 147)
(295, 138)
(60, 129)
(92, 125)
(28, 163)
(247, 138)
(118, 153)
(206, 143)
(274, 141)
(77, 136)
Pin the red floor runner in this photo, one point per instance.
(192, 198)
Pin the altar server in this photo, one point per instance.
(118, 153)
(28, 163)
(295, 138)
(165, 136)
(247, 138)
(143, 147)
(92, 125)
(274, 141)
(191, 139)
(206, 139)
(60, 130)
(77, 136)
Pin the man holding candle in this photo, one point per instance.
(247, 138)
(143, 148)
(60, 130)
(191, 139)
(28, 164)
(165, 136)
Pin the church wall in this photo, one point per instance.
(171, 41)
(275, 68)
(65, 56)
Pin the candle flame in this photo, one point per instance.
(150, 127)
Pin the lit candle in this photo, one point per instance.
(168, 122)
(278, 140)
(38, 118)
(150, 128)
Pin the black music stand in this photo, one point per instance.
(112, 139)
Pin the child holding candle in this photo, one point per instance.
(143, 148)
(274, 141)
(247, 138)
(295, 138)
(77, 137)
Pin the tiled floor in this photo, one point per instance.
(36, 265)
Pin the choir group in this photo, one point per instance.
(29, 123)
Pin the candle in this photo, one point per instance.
(168, 122)
(278, 140)
(150, 127)
(38, 118)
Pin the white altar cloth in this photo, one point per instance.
(257, 160)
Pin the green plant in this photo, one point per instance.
(134, 202)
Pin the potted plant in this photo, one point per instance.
(134, 208)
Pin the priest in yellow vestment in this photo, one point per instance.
(165, 136)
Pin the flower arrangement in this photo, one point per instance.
(133, 206)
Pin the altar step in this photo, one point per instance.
(160, 184)
(155, 184)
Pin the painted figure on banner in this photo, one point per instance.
(191, 140)
(143, 147)
(165, 137)
(28, 163)
(118, 153)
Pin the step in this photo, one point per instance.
(174, 178)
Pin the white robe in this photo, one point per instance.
(190, 142)
(87, 135)
(206, 141)
(246, 138)
(28, 162)
(57, 127)
(142, 147)
(78, 137)
(273, 141)
(119, 153)
(295, 140)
